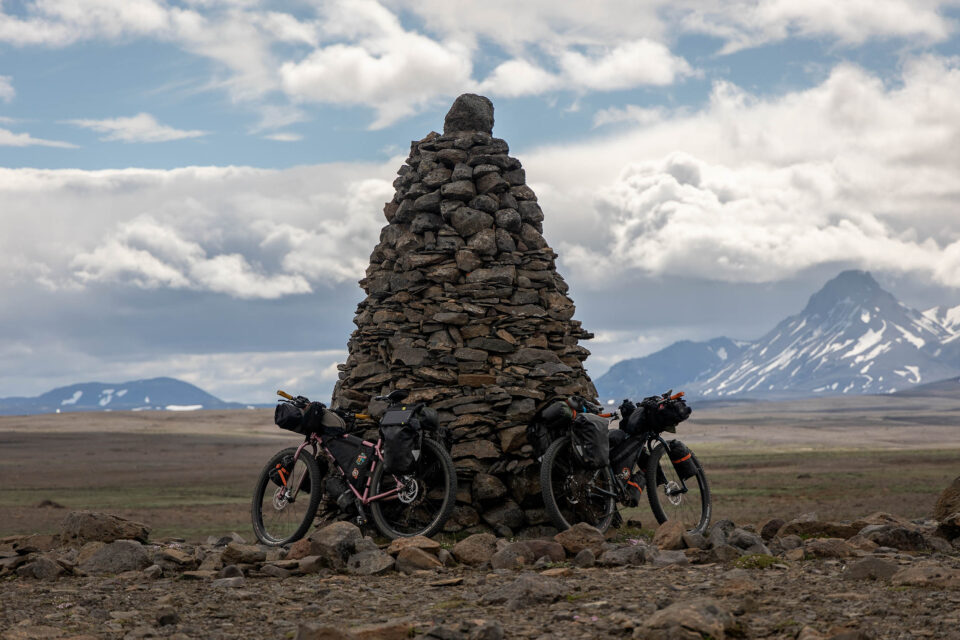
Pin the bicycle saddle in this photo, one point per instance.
(397, 395)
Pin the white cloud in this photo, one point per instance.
(10, 139)
(7, 91)
(747, 23)
(515, 78)
(359, 52)
(284, 136)
(242, 232)
(395, 71)
(142, 127)
(854, 171)
(625, 66)
(630, 64)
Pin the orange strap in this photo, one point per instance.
(634, 484)
(677, 396)
(684, 458)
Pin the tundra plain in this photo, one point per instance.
(191, 475)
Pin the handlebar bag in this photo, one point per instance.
(400, 432)
(682, 459)
(286, 416)
(660, 414)
(591, 445)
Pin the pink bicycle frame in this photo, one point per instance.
(365, 498)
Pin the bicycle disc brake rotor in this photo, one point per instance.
(280, 499)
(410, 490)
(673, 493)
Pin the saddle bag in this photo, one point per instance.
(591, 444)
(402, 439)
(682, 459)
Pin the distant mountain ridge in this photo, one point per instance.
(852, 337)
(163, 394)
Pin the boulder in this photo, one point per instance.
(79, 527)
(828, 548)
(669, 535)
(476, 549)
(870, 569)
(236, 553)
(335, 543)
(412, 559)
(695, 618)
(117, 557)
(896, 536)
(949, 501)
(418, 542)
(581, 536)
(370, 563)
(41, 569)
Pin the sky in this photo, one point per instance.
(192, 188)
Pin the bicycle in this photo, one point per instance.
(680, 490)
(403, 505)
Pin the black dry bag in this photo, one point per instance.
(400, 431)
(548, 425)
(682, 459)
(286, 416)
(590, 442)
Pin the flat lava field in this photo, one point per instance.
(192, 474)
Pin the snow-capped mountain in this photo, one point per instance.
(681, 362)
(947, 317)
(852, 337)
(167, 394)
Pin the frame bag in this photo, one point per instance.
(591, 444)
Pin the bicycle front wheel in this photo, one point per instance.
(425, 498)
(283, 513)
(669, 501)
(572, 494)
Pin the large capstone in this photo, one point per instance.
(469, 112)
(465, 308)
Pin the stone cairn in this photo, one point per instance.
(466, 309)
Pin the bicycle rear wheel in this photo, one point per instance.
(426, 498)
(668, 502)
(283, 513)
(572, 494)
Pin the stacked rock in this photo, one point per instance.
(465, 308)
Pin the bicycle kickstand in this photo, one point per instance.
(361, 518)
